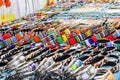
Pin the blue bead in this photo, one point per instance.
(14, 39)
(96, 43)
(1, 38)
(109, 44)
(32, 44)
(52, 37)
(91, 40)
(42, 45)
(12, 46)
(79, 62)
(27, 46)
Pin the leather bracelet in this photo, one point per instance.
(98, 61)
(20, 59)
(85, 59)
(103, 74)
(115, 66)
(61, 51)
(86, 72)
(114, 56)
(70, 51)
(110, 49)
(52, 52)
(11, 53)
(3, 62)
(117, 53)
(77, 53)
(88, 52)
(105, 54)
(96, 53)
(60, 58)
(101, 48)
(4, 51)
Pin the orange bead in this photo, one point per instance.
(95, 49)
(67, 47)
(18, 37)
(36, 38)
(82, 48)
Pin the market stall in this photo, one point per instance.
(67, 40)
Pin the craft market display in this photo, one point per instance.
(63, 42)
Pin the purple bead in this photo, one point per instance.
(96, 43)
(1, 38)
(91, 40)
(33, 66)
(12, 45)
(33, 44)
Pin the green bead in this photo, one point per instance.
(83, 43)
(1, 44)
(32, 40)
(74, 67)
(60, 40)
(77, 39)
(52, 32)
(118, 46)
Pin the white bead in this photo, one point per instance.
(21, 58)
(92, 70)
(15, 63)
(85, 76)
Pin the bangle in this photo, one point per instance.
(4, 51)
(45, 50)
(115, 66)
(61, 51)
(70, 51)
(101, 48)
(11, 53)
(98, 61)
(110, 49)
(29, 51)
(103, 74)
(16, 58)
(29, 68)
(26, 49)
(61, 58)
(3, 62)
(77, 64)
(114, 56)
(35, 52)
(51, 53)
(67, 61)
(77, 53)
(86, 73)
(96, 53)
(49, 63)
(1, 48)
(104, 54)
(116, 52)
(85, 59)
(16, 62)
(88, 52)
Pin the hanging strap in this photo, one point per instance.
(38, 4)
(26, 8)
(18, 8)
(33, 5)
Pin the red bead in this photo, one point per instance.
(72, 41)
(6, 36)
